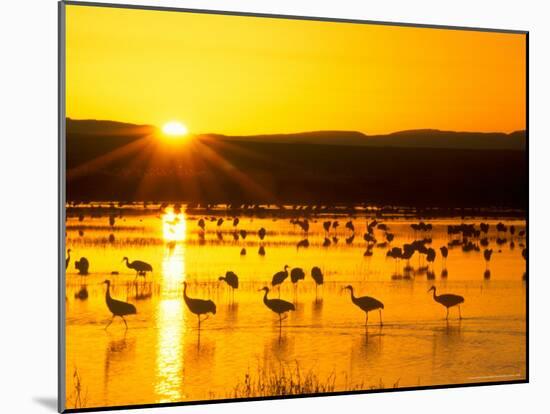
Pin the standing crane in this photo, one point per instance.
(68, 259)
(232, 280)
(279, 278)
(117, 307)
(261, 233)
(366, 304)
(278, 306)
(198, 306)
(82, 265)
(448, 300)
(317, 275)
(140, 267)
(296, 275)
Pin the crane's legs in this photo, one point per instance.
(202, 320)
(459, 313)
(367, 319)
(447, 317)
(110, 322)
(380, 313)
(125, 324)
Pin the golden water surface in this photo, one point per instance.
(163, 357)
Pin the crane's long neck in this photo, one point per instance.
(127, 262)
(265, 296)
(434, 295)
(108, 293)
(352, 295)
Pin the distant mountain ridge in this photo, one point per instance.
(422, 138)
(418, 138)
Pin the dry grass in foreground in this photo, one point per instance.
(290, 380)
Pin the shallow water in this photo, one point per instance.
(162, 357)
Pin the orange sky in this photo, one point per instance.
(243, 75)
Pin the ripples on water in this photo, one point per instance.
(163, 357)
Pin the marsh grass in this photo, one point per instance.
(78, 395)
(290, 379)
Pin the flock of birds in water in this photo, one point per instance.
(467, 236)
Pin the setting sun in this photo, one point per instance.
(174, 129)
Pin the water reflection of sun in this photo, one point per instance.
(170, 316)
(174, 226)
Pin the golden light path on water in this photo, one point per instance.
(169, 361)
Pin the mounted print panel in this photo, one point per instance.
(270, 206)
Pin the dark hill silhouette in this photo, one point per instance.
(113, 161)
(416, 138)
(421, 138)
(106, 128)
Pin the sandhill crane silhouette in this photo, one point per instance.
(350, 226)
(117, 307)
(448, 300)
(140, 267)
(261, 233)
(82, 266)
(198, 306)
(201, 224)
(304, 225)
(326, 226)
(366, 304)
(261, 251)
(318, 277)
(278, 306)
(382, 226)
(303, 243)
(484, 227)
(235, 222)
(296, 275)
(68, 259)
(231, 279)
(220, 221)
(279, 277)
